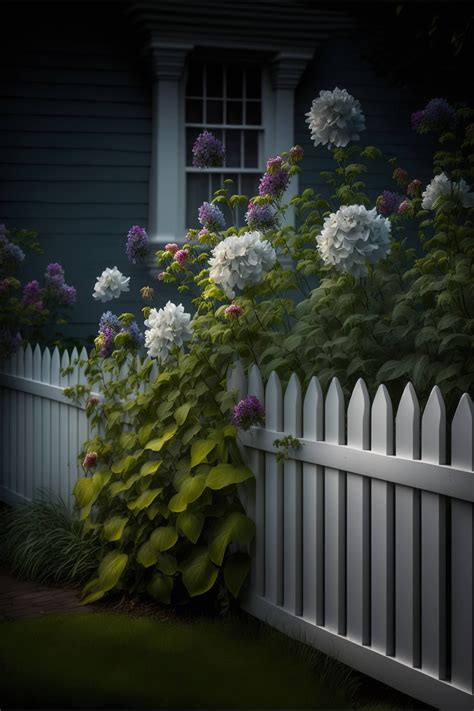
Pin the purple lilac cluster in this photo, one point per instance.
(58, 288)
(10, 342)
(259, 217)
(389, 202)
(437, 115)
(137, 245)
(275, 180)
(109, 327)
(211, 217)
(248, 412)
(32, 295)
(11, 255)
(208, 151)
(137, 339)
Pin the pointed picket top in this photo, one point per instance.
(28, 361)
(83, 356)
(292, 407)
(20, 362)
(462, 435)
(382, 422)
(236, 379)
(37, 360)
(64, 379)
(274, 403)
(313, 411)
(55, 367)
(358, 417)
(433, 429)
(46, 366)
(407, 425)
(334, 414)
(154, 372)
(74, 376)
(256, 384)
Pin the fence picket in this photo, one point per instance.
(28, 425)
(273, 497)
(21, 426)
(382, 530)
(462, 553)
(256, 497)
(292, 504)
(56, 484)
(64, 469)
(358, 521)
(74, 444)
(335, 517)
(407, 526)
(37, 426)
(313, 509)
(433, 543)
(46, 429)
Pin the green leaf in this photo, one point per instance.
(199, 574)
(114, 527)
(145, 432)
(236, 570)
(182, 413)
(110, 570)
(190, 432)
(190, 489)
(147, 555)
(120, 486)
(226, 474)
(163, 538)
(124, 465)
(85, 491)
(150, 467)
(157, 444)
(144, 499)
(235, 527)
(167, 563)
(200, 449)
(190, 524)
(127, 440)
(160, 587)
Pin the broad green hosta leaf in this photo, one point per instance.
(166, 563)
(128, 440)
(145, 432)
(182, 413)
(150, 467)
(119, 486)
(226, 474)
(189, 433)
(190, 524)
(110, 570)
(85, 490)
(235, 527)
(147, 555)
(144, 500)
(160, 587)
(114, 527)
(200, 450)
(157, 444)
(191, 489)
(163, 538)
(122, 466)
(199, 574)
(236, 570)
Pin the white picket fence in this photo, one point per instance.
(365, 535)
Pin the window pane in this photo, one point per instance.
(193, 111)
(234, 112)
(250, 185)
(253, 85)
(214, 112)
(253, 113)
(194, 81)
(234, 81)
(232, 148)
(191, 135)
(197, 191)
(251, 149)
(214, 79)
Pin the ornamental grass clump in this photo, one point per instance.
(341, 294)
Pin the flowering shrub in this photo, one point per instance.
(163, 497)
(28, 310)
(110, 284)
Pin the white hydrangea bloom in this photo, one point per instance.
(335, 118)
(110, 284)
(241, 261)
(168, 327)
(442, 185)
(353, 236)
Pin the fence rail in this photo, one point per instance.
(365, 535)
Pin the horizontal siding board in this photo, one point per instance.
(76, 92)
(93, 174)
(90, 123)
(60, 192)
(71, 158)
(98, 139)
(79, 227)
(72, 75)
(15, 106)
(46, 211)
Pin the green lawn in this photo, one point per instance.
(105, 660)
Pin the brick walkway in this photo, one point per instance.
(21, 599)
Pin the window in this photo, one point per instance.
(226, 100)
